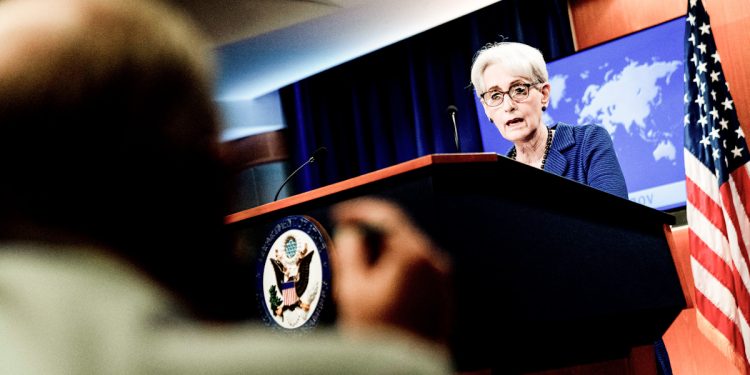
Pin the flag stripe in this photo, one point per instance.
(707, 233)
(740, 182)
(720, 309)
(744, 350)
(707, 208)
(718, 318)
(713, 263)
(722, 323)
(716, 275)
(737, 247)
(702, 191)
(701, 176)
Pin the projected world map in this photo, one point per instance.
(633, 87)
(639, 102)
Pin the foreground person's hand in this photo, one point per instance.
(387, 273)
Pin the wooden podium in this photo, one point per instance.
(561, 273)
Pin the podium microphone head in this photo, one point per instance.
(318, 154)
(452, 110)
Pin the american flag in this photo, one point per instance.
(718, 192)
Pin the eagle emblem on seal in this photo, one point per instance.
(292, 269)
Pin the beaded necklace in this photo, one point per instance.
(512, 154)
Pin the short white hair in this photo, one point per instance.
(520, 59)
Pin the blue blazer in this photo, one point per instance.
(586, 154)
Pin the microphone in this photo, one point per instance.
(317, 155)
(452, 110)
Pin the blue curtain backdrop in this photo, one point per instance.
(390, 106)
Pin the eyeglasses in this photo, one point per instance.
(518, 93)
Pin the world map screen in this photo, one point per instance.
(633, 87)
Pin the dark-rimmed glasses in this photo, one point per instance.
(518, 93)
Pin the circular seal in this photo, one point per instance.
(293, 274)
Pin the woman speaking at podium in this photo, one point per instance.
(512, 82)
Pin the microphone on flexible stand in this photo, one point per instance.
(452, 110)
(318, 154)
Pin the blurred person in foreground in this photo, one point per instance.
(512, 82)
(113, 253)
